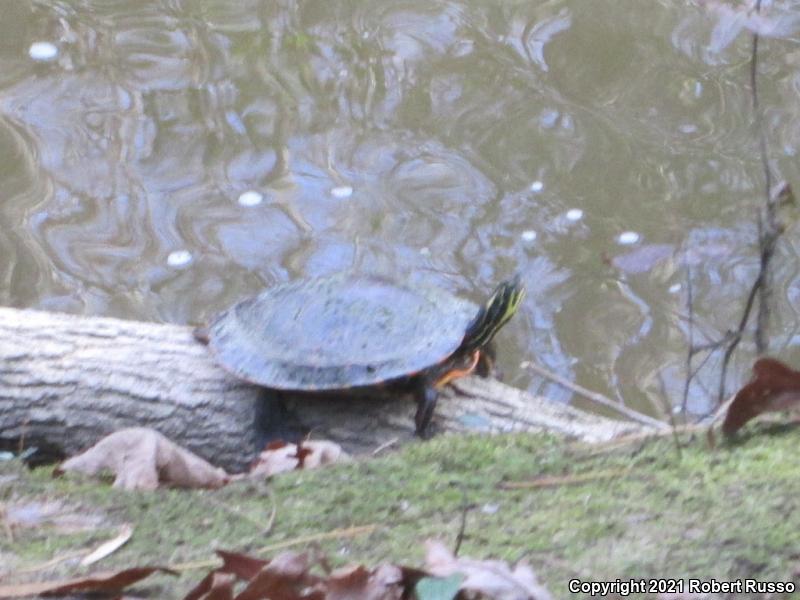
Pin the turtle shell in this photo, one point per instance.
(338, 332)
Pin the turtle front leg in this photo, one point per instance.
(426, 395)
(201, 335)
(486, 366)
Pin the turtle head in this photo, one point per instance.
(495, 313)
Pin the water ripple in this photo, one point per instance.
(446, 141)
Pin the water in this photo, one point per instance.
(160, 160)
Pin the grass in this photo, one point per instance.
(639, 510)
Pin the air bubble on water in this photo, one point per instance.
(179, 258)
(251, 198)
(43, 51)
(537, 186)
(342, 191)
(574, 214)
(627, 238)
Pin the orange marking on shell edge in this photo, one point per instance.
(453, 374)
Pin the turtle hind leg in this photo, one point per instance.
(426, 395)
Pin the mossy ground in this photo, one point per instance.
(642, 511)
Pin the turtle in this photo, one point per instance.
(359, 333)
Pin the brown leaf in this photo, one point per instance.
(411, 576)
(202, 588)
(323, 452)
(142, 458)
(773, 387)
(214, 586)
(493, 578)
(288, 457)
(359, 583)
(243, 566)
(286, 577)
(275, 459)
(99, 582)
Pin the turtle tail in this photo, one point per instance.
(499, 308)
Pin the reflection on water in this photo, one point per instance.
(160, 160)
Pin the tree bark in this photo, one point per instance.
(66, 381)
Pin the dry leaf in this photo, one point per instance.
(243, 566)
(215, 586)
(492, 578)
(280, 457)
(773, 387)
(286, 577)
(106, 548)
(142, 458)
(359, 583)
(99, 582)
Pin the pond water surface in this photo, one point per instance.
(162, 159)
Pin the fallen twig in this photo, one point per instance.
(48, 564)
(558, 480)
(595, 397)
(385, 445)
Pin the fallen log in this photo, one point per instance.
(66, 381)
